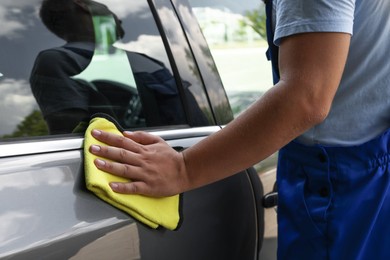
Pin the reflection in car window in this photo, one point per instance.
(235, 32)
(62, 61)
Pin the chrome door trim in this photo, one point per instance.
(187, 132)
(48, 145)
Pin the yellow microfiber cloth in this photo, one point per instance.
(154, 212)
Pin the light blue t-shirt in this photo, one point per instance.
(361, 107)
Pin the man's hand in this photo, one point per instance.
(151, 165)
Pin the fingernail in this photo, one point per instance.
(127, 132)
(114, 185)
(96, 132)
(100, 162)
(95, 148)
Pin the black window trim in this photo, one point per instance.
(155, 11)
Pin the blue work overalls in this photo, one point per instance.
(333, 202)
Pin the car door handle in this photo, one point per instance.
(270, 199)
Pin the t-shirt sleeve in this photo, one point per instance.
(302, 16)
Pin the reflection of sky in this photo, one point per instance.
(27, 193)
(148, 44)
(8, 27)
(10, 13)
(235, 6)
(122, 8)
(16, 102)
(39, 204)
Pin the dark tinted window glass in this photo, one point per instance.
(62, 61)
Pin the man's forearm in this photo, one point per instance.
(270, 123)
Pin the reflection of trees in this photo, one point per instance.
(32, 125)
(256, 19)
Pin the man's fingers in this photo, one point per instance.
(142, 137)
(127, 171)
(130, 188)
(116, 154)
(137, 183)
(115, 140)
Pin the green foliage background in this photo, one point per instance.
(32, 125)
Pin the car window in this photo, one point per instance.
(62, 61)
(235, 33)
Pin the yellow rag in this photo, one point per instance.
(153, 212)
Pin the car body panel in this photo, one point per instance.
(46, 211)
